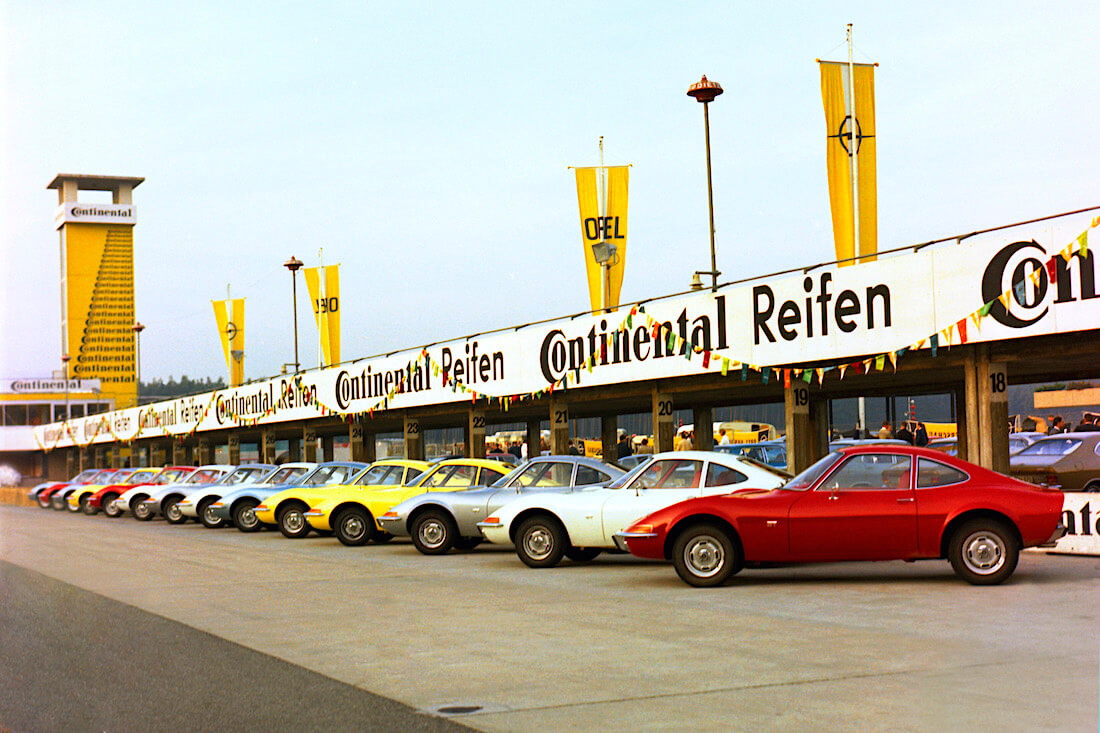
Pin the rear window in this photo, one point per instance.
(1051, 447)
(933, 473)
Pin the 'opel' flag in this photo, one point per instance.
(230, 317)
(847, 140)
(608, 224)
(324, 293)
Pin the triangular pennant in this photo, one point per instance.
(1083, 241)
(893, 359)
(808, 376)
(787, 378)
(843, 368)
(821, 376)
(1003, 297)
(934, 342)
(725, 366)
(880, 362)
(961, 325)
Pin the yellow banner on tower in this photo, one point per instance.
(606, 223)
(324, 293)
(843, 141)
(230, 317)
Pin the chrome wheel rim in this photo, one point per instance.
(110, 509)
(983, 552)
(704, 556)
(538, 543)
(247, 518)
(432, 533)
(140, 510)
(353, 527)
(173, 512)
(294, 520)
(209, 516)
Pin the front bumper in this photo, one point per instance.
(188, 509)
(495, 533)
(641, 544)
(393, 525)
(319, 521)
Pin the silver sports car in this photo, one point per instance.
(442, 520)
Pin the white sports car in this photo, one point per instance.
(582, 523)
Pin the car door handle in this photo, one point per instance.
(906, 500)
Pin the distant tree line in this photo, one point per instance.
(185, 385)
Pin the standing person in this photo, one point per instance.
(644, 447)
(857, 432)
(1057, 427)
(885, 432)
(684, 442)
(920, 437)
(723, 437)
(1089, 423)
(624, 448)
(904, 433)
(515, 450)
(573, 448)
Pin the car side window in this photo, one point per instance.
(439, 477)
(671, 474)
(462, 476)
(719, 475)
(560, 474)
(531, 475)
(873, 471)
(587, 475)
(410, 474)
(488, 477)
(375, 476)
(933, 473)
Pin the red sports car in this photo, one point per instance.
(872, 502)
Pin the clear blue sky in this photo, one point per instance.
(425, 147)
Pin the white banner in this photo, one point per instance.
(80, 213)
(47, 386)
(878, 309)
(1081, 515)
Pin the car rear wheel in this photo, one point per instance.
(353, 527)
(541, 542)
(206, 513)
(434, 532)
(109, 508)
(705, 556)
(57, 502)
(983, 552)
(244, 515)
(86, 505)
(141, 511)
(172, 511)
(1093, 487)
(43, 501)
(292, 522)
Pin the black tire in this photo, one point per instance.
(468, 543)
(108, 504)
(983, 552)
(1092, 487)
(59, 502)
(171, 511)
(244, 518)
(434, 532)
(582, 554)
(206, 517)
(292, 521)
(353, 527)
(541, 542)
(140, 512)
(85, 505)
(706, 556)
(78, 508)
(43, 501)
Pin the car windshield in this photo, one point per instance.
(285, 475)
(140, 477)
(242, 475)
(324, 475)
(171, 475)
(1051, 447)
(101, 477)
(204, 476)
(504, 480)
(807, 478)
(627, 477)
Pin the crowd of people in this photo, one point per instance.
(1056, 425)
(912, 432)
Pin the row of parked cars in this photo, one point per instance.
(710, 513)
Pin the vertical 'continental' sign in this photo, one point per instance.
(97, 284)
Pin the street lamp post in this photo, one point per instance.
(705, 91)
(65, 368)
(138, 328)
(294, 264)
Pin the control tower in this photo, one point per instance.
(97, 283)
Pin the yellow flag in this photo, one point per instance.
(324, 294)
(230, 317)
(836, 95)
(604, 223)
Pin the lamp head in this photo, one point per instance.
(603, 251)
(704, 90)
(293, 264)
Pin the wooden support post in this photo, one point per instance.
(414, 439)
(609, 432)
(475, 433)
(703, 418)
(559, 428)
(72, 456)
(973, 420)
(116, 460)
(206, 455)
(362, 443)
(179, 453)
(328, 448)
(534, 438)
(664, 431)
(960, 424)
(309, 443)
(800, 430)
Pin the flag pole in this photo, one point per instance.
(853, 159)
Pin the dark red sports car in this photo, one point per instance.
(872, 502)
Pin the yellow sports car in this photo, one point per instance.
(351, 512)
(287, 508)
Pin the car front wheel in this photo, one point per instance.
(109, 508)
(705, 556)
(353, 527)
(172, 511)
(541, 542)
(86, 505)
(983, 552)
(244, 515)
(292, 522)
(434, 532)
(209, 519)
(141, 511)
